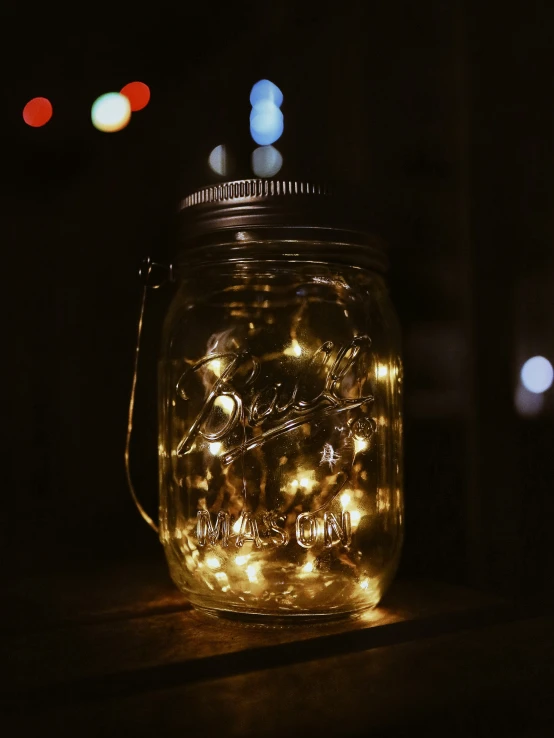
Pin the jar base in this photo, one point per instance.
(280, 619)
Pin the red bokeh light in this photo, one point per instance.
(138, 95)
(37, 112)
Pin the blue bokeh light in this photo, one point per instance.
(266, 118)
(264, 107)
(266, 90)
(266, 123)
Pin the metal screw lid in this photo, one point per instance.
(252, 189)
(305, 209)
(253, 203)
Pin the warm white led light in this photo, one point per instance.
(355, 517)
(294, 349)
(215, 366)
(251, 572)
(225, 402)
(344, 499)
(360, 444)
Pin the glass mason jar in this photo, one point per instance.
(280, 427)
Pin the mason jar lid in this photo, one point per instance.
(306, 210)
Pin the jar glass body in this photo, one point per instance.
(280, 437)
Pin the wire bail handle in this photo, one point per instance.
(153, 275)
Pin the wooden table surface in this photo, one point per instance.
(121, 652)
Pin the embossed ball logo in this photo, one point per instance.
(311, 423)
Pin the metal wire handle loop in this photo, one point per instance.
(153, 275)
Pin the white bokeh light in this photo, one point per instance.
(111, 112)
(266, 161)
(537, 374)
(266, 90)
(528, 404)
(218, 160)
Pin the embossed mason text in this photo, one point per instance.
(264, 531)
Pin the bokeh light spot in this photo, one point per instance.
(266, 118)
(266, 90)
(264, 107)
(219, 160)
(37, 112)
(266, 161)
(138, 95)
(528, 404)
(111, 112)
(266, 123)
(537, 374)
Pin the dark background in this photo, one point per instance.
(445, 109)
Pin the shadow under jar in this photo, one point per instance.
(280, 408)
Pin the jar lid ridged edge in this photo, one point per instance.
(252, 189)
